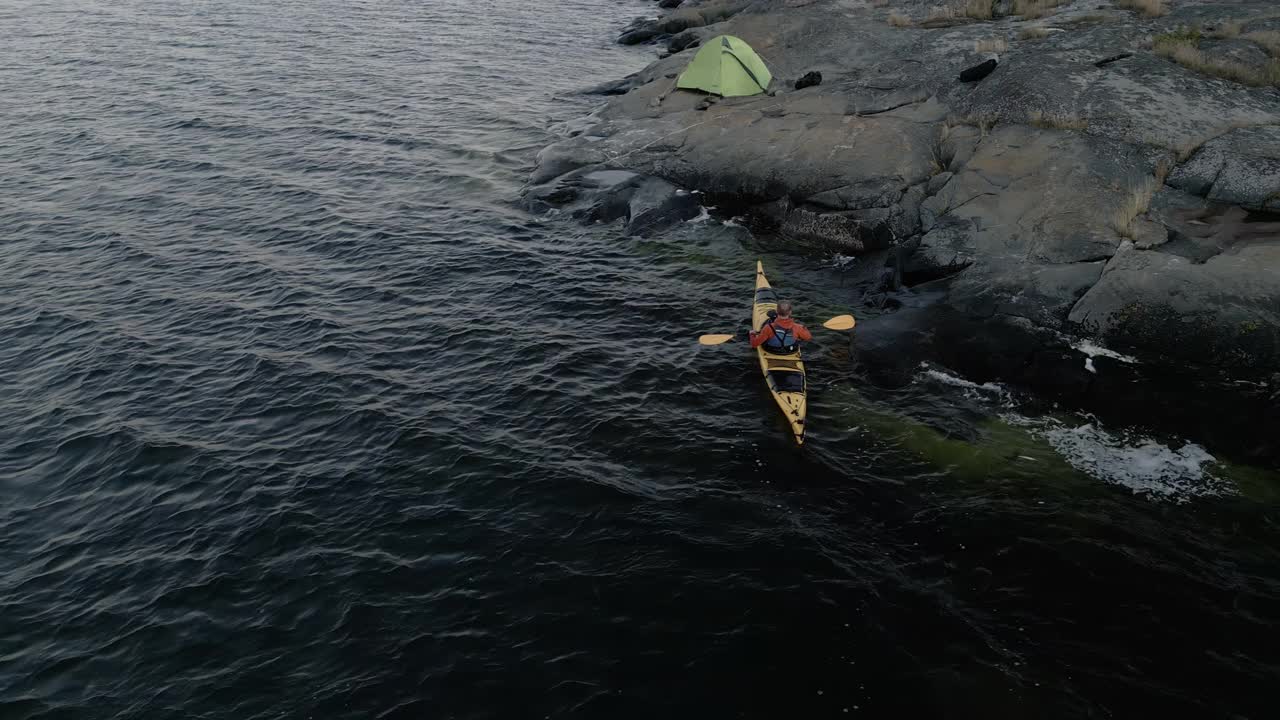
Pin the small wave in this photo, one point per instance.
(1141, 464)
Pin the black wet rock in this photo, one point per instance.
(647, 204)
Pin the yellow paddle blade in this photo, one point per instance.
(840, 322)
(714, 339)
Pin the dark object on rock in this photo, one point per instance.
(811, 78)
(668, 4)
(977, 72)
(1113, 58)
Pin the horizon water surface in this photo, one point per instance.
(304, 416)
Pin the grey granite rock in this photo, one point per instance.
(1011, 195)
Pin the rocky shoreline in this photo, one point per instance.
(1115, 181)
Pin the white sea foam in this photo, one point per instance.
(968, 387)
(1141, 464)
(703, 215)
(1093, 350)
(840, 262)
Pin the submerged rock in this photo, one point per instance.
(647, 204)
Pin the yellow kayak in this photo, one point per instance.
(784, 374)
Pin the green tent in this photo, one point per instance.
(726, 66)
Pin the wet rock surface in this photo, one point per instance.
(1086, 187)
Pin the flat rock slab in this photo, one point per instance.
(1242, 167)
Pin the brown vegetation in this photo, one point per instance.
(1268, 39)
(1032, 9)
(1228, 29)
(1183, 47)
(1150, 8)
(1057, 121)
(1135, 203)
(943, 152)
(983, 121)
(957, 12)
(1092, 19)
(996, 45)
(897, 19)
(977, 9)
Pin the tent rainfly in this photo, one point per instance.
(728, 67)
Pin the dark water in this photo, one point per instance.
(304, 417)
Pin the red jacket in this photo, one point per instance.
(801, 332)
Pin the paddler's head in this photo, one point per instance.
(784, 309)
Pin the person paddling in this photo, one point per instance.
(780, 334)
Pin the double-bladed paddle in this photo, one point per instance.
(839, 322)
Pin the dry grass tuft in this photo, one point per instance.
(995, 45)
(1136, 203)
(1228, 29)
(1183, 47)
(943, 151)
(1033, 33)
(940, 16)
(1032, 9)
(983, 121)
(1056, 121)
(1092, 19)
(957, 12)
(1171, 41)
(978, 9)
(1268, 39)
(1150, 8)
(897, 19)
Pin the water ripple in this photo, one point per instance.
(304, 416)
